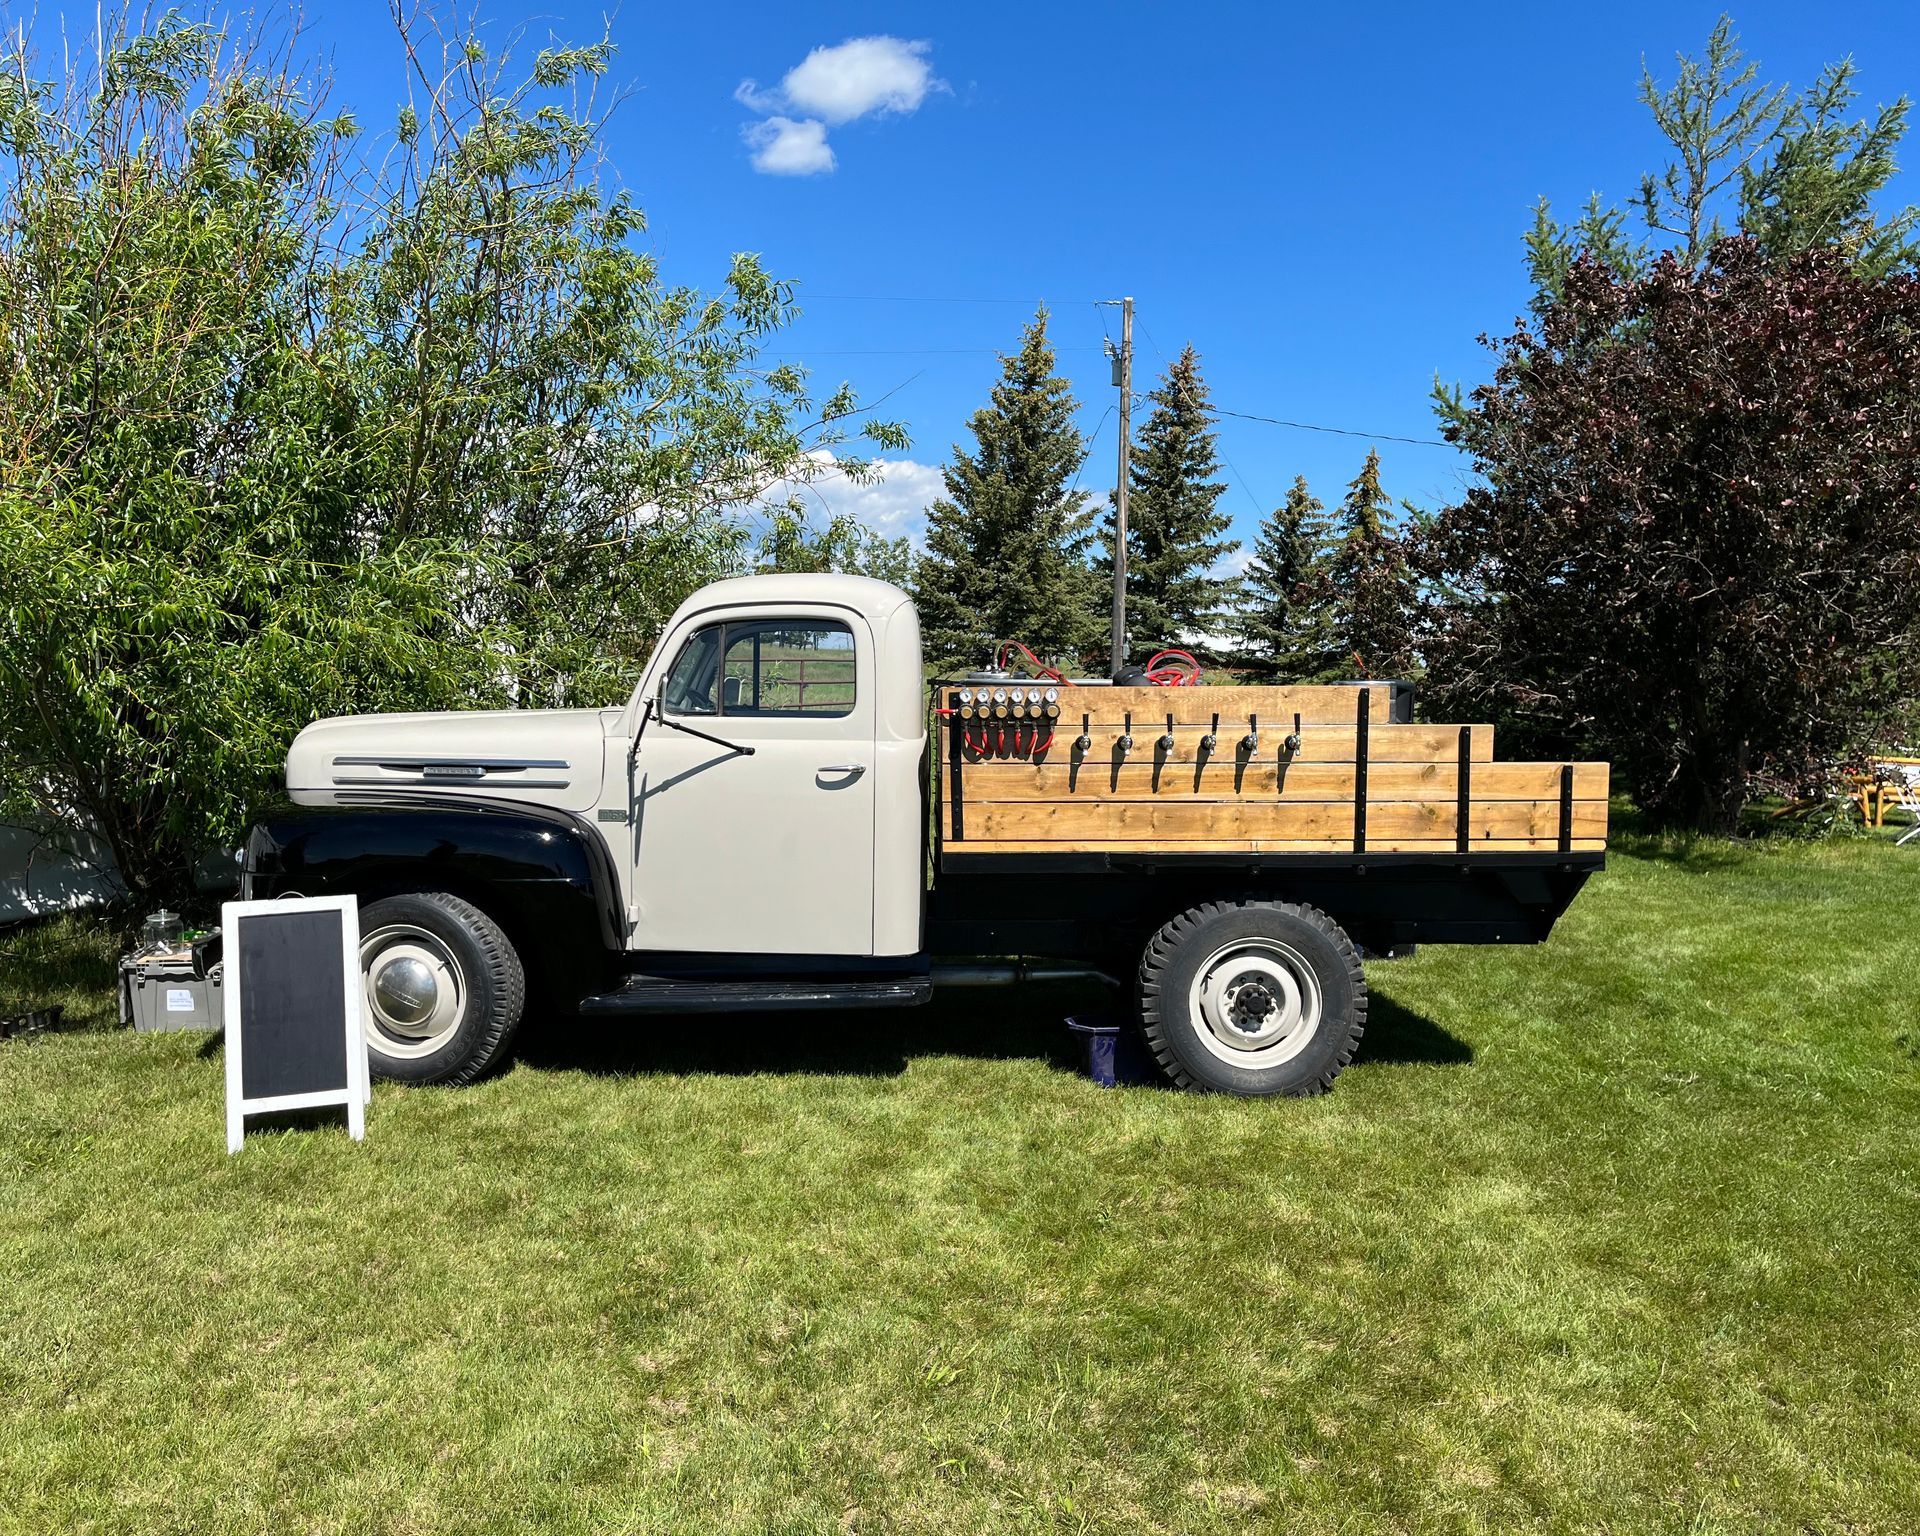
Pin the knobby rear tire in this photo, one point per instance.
(1252, 998)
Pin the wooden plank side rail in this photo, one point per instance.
(1326, 822)
(1222, 778)
(1212, 770)
(1441, 848)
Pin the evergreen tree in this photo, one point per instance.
(1007, 546)
(1792, 170)
(1173, 518)
(1368, 587)
(1283, 624)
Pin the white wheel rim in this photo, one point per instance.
(1256, 1003)
(415, 990)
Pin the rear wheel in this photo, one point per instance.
(1253, 998)
(444, 988)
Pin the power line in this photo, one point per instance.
(922, 351)
(921, 298)
(1307, 426)
(1259, 509)
(1271, 421)
(1093, 440)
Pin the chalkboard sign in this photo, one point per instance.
(293, 1003)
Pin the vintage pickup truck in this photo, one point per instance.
(752, 830)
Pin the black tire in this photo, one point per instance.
(474, 978)
(1269, 960)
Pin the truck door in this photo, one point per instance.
(768, 850)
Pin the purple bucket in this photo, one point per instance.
(1115, 1056)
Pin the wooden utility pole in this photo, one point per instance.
(1120, 490)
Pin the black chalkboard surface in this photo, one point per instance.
(292, 995)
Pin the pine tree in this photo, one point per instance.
(1173, 519)
(1368, 586)
(1283, 625)
(1007, 546)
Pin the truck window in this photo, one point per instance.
(787, 667)
(689, 688)
(770, 668)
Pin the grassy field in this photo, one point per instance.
(1617, 1234)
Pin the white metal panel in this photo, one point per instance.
(764, 854)
(543, 756)
(900, 807)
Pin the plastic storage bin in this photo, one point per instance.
(161, 992)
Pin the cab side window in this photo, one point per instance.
(689, 689)
(769, 668)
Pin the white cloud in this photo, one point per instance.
(861, 75)
(858, 78)
(892, 502)
(1233, 564)
(783, 147)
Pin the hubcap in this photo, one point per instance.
(1257, 1002)
(415, 990)
(406, 989)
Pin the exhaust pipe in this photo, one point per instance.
(1017, 972)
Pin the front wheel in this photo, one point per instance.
(444, 988)
(1253, 998)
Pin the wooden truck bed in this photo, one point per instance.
(1356, 783)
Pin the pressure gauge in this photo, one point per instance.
(966, 696)
(1017, 697)
(999, 695)
(1053, 695)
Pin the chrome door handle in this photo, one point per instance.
(856, 769)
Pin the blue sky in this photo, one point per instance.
(1326, 200)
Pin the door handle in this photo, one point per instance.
(856, 769)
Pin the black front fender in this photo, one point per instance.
(544, 875)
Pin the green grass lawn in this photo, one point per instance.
(1617, 1234)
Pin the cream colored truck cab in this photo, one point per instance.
(759, 791)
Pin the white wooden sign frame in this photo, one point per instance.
(358, 1090)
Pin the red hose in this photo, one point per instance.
(1182, 672)
(1041, 669)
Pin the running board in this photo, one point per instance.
(657, 994)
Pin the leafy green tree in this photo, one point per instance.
(1694, 552)
(281, 437)
(1174, 524)
(791, 542)
(181, 582)
(1007, 546)
(1613, 587)
(529, 384)
(1368, 588)
(1282, 623)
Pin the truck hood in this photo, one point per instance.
(553, 756)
